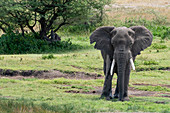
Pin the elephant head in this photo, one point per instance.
(119, 47)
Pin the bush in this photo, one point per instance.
(150, 62)
(50, 56)
(161, 31)
(155, 27)
(158, 46)
(17, 44)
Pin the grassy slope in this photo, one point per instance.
(34, 95)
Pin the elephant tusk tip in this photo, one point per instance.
(112, 67)
(132, 64)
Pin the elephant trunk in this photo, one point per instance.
(121, 63)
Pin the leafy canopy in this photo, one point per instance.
(40, 16)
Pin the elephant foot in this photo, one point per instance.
(121, 100)
(106, 97)
(109, 98)
(124, 99)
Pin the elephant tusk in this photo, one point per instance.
(112, 67)
(132, 64)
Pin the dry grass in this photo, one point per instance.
(148, 9)
(158, 2)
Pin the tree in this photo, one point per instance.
(42, 14)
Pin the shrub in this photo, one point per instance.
(150, 62)
(158, 46)
(161, 31)
(157, 29)
(17, 44)
(50, 56)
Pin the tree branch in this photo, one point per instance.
(4, 23)
(3, 29)
(30, 27)
(60, 26)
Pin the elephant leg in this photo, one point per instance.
(126, 82)
(116, 94)
(107, 88)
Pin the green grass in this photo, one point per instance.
(45, 95)
(153, 88)
(51, 95)
(38, 96)
(88, 60)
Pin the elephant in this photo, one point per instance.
(119, 48)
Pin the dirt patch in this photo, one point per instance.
(72, 91)
(153, 68)
(160, 102)
(132, 92)
(44, 74)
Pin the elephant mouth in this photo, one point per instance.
(113, 64)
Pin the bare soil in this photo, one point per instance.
(44, 74)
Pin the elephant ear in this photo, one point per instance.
(143, 39)
(102, 37)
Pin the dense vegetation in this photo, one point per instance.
(17, 44)
(149, 84)
(42, 16)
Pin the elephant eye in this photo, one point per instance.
(131, 33)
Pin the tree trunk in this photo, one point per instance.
(22, 30)
(43, 32)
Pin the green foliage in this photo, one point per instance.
(151, 62)
(157, 29)
(161, 31)
(85, 28)
(50, 56)
(158, 46)
(17, 44)
(48, 15)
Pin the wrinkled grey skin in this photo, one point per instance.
(121, 44)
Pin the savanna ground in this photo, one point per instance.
(72, 81)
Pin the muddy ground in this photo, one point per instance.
(44, 74)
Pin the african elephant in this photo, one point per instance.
(119, 48)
